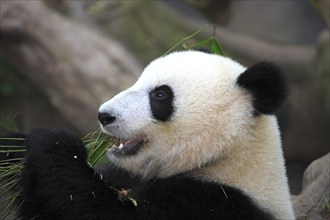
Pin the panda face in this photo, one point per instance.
(186, 110)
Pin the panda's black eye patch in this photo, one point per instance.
(161, 102)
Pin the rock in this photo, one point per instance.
(314, 201)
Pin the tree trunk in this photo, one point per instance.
(75, 67)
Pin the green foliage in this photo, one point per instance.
(211, 43)
(7, 91)
(7, 122)
(10, 169)
(6, 88)
(97, 144)
(327, 205)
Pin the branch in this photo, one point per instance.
(75, 67)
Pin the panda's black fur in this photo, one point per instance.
(161, 102)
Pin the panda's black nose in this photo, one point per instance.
(106, 118)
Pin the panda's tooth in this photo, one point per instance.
(121, 146)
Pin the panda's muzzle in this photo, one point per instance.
(127, 147)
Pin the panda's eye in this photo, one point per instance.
(159, 95)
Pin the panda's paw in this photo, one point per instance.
(54, 165)
(52, 143)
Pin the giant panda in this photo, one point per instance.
(196, 137)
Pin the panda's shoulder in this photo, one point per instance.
(223, 200)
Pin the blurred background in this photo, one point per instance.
(61, 59)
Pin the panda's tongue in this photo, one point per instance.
(128, 147)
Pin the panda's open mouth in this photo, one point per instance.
(127, 147)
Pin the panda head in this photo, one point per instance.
(186, 110)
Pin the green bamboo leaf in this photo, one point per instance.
(12, 151)
(97, 144)
(8, 208)
(199, 44)
(215, 47)
(99, 152)
(16, 139)
(11, 160)
(95, 154)
(12, 146)
(186, 38)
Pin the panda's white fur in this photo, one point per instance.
(212, 134)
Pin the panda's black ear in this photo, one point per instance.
(267, 84)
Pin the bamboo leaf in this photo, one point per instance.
(186, 38)
(199, 44)
(215, 47)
